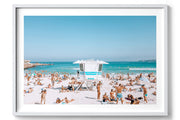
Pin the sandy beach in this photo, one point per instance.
(35, 83)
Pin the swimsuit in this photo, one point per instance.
(119, 95)
(146, 95)
(132, 101)
(128, 99)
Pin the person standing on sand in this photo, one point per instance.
(128, 76)
(98, 90)
(140, 75)
(43, 96)
(26, 75)
(119, 93)
(144, 93)
(52, 80)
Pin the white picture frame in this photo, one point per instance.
(164, 51)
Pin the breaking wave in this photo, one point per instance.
(142, 68)
(75, 68)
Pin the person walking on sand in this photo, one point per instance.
(98, 90)
(119, 93)
(144, 93)
(43, 96)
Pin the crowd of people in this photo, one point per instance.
(115, 94)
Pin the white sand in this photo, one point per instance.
(84, 96)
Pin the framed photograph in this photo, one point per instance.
(90, 60)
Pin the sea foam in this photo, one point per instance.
(142, 68)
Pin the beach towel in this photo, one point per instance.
(63, 103)
(107, 102)
(103, 102)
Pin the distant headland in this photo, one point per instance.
(28, 64)
(153, 60)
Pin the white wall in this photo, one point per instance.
(6, 54)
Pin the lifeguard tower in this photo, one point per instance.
(90, 70)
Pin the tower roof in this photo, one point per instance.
(89, 61)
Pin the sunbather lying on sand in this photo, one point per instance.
(68, 101)
(58, 81)
(73, 82)
(73, 78)
(26, 75)
(135, 101)
(39, 82)
(49, 86)
(129, 97)
(132, 99)
(152, 86)
(58, 100)
(154, 93)
(130, 83)
(138, 82)
(30, 90)
(119, 77)
(133, 89)
(70, 87)
(111, 83)
(105, 98)
(116, 85)
(137, 78)
(150, 75)
(153, 81)
(63, 89)
(39, 75)
(65, 77)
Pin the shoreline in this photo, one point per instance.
(114, 67)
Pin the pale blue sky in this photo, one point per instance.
(109, 38)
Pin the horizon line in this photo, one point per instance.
(102, 60)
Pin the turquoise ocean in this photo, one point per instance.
(112, 67)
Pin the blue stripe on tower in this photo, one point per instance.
(93, 73)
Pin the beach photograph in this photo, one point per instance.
(90, 60)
